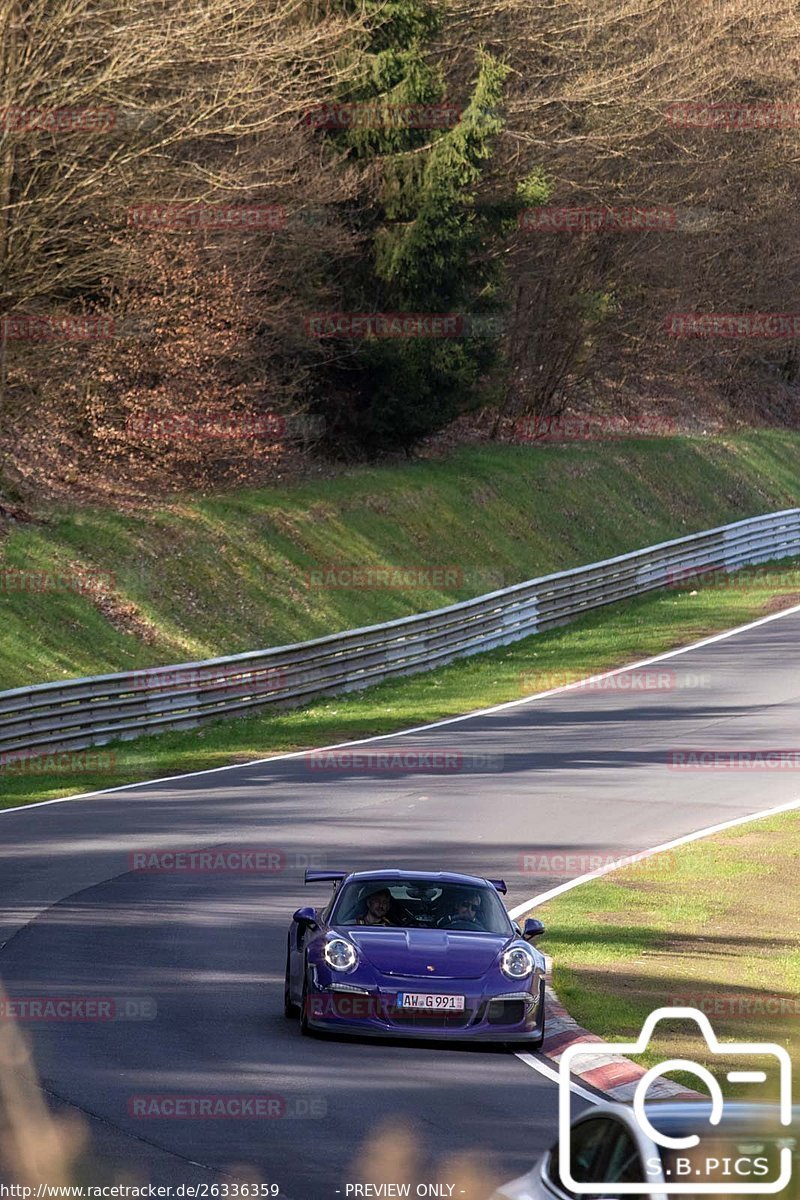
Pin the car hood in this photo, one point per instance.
(428, 953)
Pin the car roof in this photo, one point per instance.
(429, 876)
(681, 1116)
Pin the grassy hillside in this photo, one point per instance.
(229, 573)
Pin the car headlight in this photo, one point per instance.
(340, 954)
(517, 963)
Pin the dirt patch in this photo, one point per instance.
(482, 497)
(124, 615)
(778, 603)
(579, 470)
(13, 514)
(376, 502)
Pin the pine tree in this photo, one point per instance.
(426, 237)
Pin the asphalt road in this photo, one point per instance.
(581, 772)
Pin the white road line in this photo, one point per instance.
(628, 859)
(529, 1060)
(382, 737)
(550, 1073)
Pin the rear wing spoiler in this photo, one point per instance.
(499, 885)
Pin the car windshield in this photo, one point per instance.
(419, 904)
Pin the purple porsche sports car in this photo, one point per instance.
(411, 953)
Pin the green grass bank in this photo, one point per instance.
(89, 591)
(713, 925)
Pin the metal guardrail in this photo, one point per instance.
(80, 713)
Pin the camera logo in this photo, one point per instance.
(652, 1140)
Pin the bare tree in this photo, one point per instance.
(109, 106)
(112, 102)
(593, 101)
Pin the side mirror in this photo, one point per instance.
(305, 917)
(532, 929)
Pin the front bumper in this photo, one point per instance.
(372, 1012)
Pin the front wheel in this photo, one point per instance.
(537, 1045)
(305, 1028)
(289, 1007)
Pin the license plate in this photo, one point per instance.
(437, 1003)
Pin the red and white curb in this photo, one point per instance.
(617, 1077)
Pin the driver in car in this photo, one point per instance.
(467, 911)
(377, 910)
